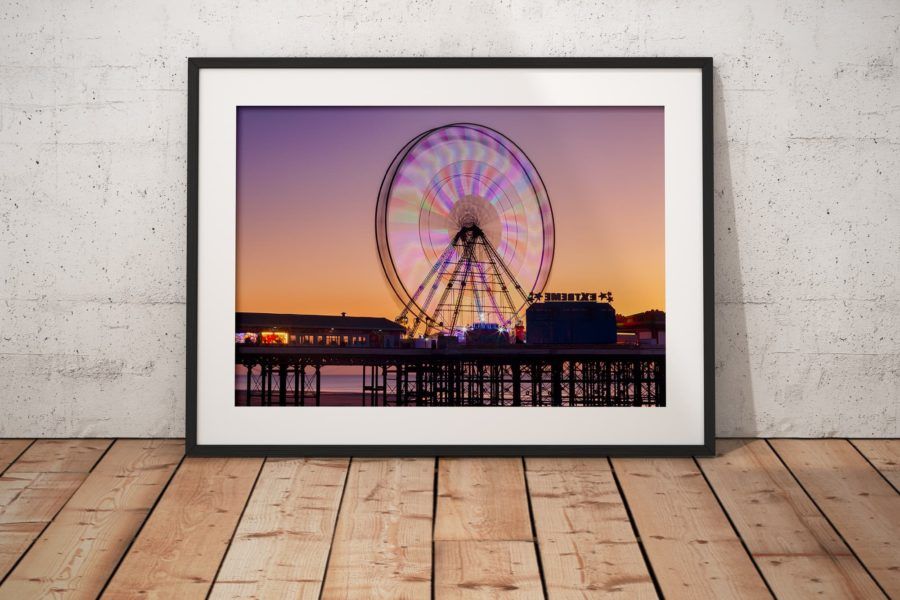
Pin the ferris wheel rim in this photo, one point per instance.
(548, 222)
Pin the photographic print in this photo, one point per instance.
(399, 257)
(441, 256)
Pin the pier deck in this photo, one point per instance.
(460, 376)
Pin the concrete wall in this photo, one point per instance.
(92, 189)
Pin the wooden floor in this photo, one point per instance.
(135, 519)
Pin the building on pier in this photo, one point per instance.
(564, 322)
(269, 329)
(642, 329)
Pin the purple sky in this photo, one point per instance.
(308, 180)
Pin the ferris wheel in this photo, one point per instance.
(464, 230)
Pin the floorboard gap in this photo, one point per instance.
(634, 529)
(237, 524)
(828, 519)
(334, 529)
(141, 528)
(733, 528)
(871, 464)
(56, 514)
(17, 457)
(534, 537)
(434, 499)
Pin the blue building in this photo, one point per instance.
(570, 323)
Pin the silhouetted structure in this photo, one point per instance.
(570, 323)
(517, 375)
(487, 335)
(316, 330)
(643, 329)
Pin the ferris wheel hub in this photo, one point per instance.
(476, 210)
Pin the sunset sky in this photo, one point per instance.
(308, 181)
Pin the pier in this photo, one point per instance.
(516, 375)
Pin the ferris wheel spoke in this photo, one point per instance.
(436, 272)
(449, 287)
(504, 288)
(436, 285)
(509, 274)
(468, 259)
(491, 297)
(445, 203)
(476, 291)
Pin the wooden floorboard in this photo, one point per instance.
(10, 451)
(797, 550)
(281, 546)
(36, 486)
(693, 550)
(471, 569)
(483, 537)
(482, 499)
(585, 538)
(60, 456)
(858, 501)
(134, 519)
(77, 553)
(179, 550)
(382, 542)
(885, 455)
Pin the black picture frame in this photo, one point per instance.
(707, 448)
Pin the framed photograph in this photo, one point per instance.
(439, 256)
